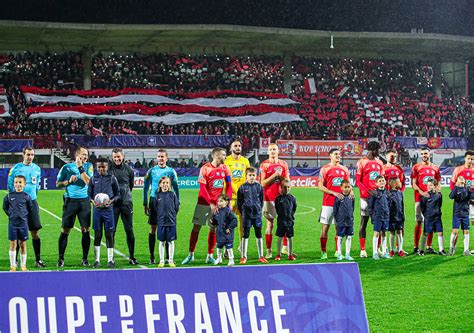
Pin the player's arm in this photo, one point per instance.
(83, 173)
(295, 206)
(240, 199)
(29, 206)
(11, 178)
(146, 187)
(336, 207)
(286, 172)
(228, 185)
(131, 179)
(6, 204)
(264, 181)
(402, 177)
(38, 181)
(176, 202)
(115, 190)
(174, 183)
(232, 223)
(359, 182)
(90, 191)
(61, 180)
(371, 204)
(261, 196)
(324, 189)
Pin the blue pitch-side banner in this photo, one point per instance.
(274, 298)
(12, 146)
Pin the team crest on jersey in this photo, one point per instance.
(337, 181)
(468, 183)
(373, 175)
(33, 179)
(426, 179)
(237, 174)
(218, 183)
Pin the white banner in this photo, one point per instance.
(4, 105)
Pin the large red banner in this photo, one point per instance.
(320, 148)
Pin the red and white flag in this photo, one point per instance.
(4, 105)
(97, 132)
(310, 86)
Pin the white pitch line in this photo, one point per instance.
(312, 209)
(92, 237)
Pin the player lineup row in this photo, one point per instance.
(380, 180)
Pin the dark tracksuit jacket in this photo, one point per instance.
(461, 197)
(285, 205)
(167, 207)
(378, 206)
(18, 207)
(125, 177)
(431, 207)
(344, 212)
(225, 219)
(396, 206)
(250, 203)
(107, 184)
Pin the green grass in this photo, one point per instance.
(430, 293)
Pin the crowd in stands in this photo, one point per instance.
(353, 98)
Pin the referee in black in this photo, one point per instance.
(124, 207)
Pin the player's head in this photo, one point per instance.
(431, 184)
(373, 147)
(273, 150)
(82, 153)
(218, 155)
(468, 157)
(346, 187)
(28, 155)
(162, 157)
(117, 156)
(236, 147)
(19, 183)
(223, 200)
(285, 186)
(164, 184)
(251, 174)
(391, 156)
(102, 166)
(460, 181)
(335, 155)
(425, 155)
(394, 183)
(380, 181)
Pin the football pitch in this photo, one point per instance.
(431, 293)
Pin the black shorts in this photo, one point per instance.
(167, 234)
(125, 212)
(76, 207)
(153, 218)
(283, 230)
(34, 222)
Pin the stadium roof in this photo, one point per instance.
(225, 39)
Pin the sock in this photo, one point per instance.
(62, 244)
(230, 254)
(285, 241)
(384, 245)
(400, 242)
(219, 254)
(110, 254)
(279, 246)
(290, 246)
(348, 245)
(243, 247)
(418, 231)
(452, 239)
(97, 253)
(466, 242)
(423, 242)
(151, 244)
(380, 242)
(86, 244)
(260, 247)
(455, 240)
(161, 251)
(339, 245)
(429, 241)
(375, 241)
(441, 243)
(167, 251)
(131, 244)
(193, 238)
(392, 242)
(268, 241)
(23, 260)
(171, 251)
(17, 253)
(211, 241)
(323, 242)
(12, 255)
(37, 248)
(362, 244)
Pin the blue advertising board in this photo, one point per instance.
(271, 298)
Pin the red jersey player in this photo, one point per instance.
(368, 169)
(213, 177)
(421, 173)
(391, 170)
(330, 178)
(272, 172)
(466, 171)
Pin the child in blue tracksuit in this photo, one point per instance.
(431, 209)
(167, 206)
(249, 204)
(380, 215)
(461, 195)
(397, 216)
(285, 205)
(18, 207)
(225, 222)
(344, 216)
(103, 216)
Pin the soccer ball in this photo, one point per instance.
(101, 199)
